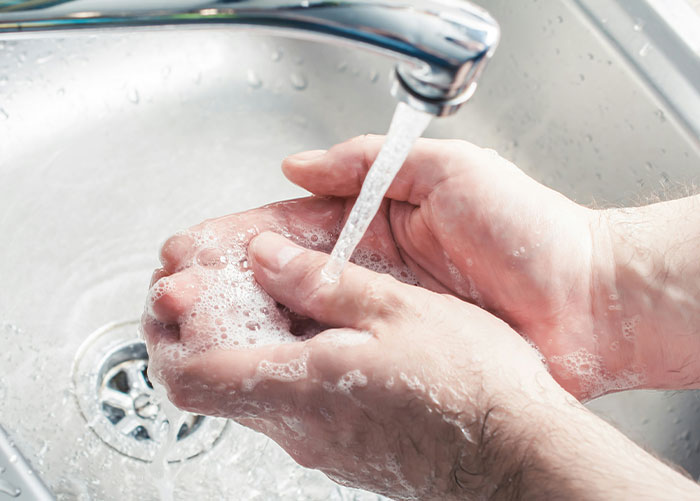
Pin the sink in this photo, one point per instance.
(112, 141)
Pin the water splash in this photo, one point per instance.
(163, 477)
(406, 126)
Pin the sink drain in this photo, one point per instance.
(119, 403)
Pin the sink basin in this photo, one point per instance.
(110, 142)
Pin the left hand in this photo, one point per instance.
(409, 393)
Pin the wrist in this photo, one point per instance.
(616, 318)
(648, 307)
(507, 437)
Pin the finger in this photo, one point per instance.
(176, 252)
(292, 276)
(172, 297)
(157, 275)
(270, 378)
(341, 170)
(156, 332)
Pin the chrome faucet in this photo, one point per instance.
(442, 47)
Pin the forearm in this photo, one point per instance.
(650, 298)
(569, 453)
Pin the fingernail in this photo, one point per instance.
(273, 251)
(307, 156)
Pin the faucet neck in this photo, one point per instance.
(441, 48)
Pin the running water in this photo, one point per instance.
(164, 479)
(406, 126)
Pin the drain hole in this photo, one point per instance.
(113, 414)
(140, 433)
(145, 376)
(120, 382)
(119, 403)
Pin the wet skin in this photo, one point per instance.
(435, 374)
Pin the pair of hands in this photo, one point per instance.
(414, 392)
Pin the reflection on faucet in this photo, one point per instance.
(441, 48)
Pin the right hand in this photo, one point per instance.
(471, 224)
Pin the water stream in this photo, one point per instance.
(406, 127)
(164, 476)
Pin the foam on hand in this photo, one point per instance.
(594, 379)
(231, 310)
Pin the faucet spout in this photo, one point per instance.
(441, 47)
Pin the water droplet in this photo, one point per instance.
(341, 66)
(638, 25)
(649, 166)
(254, 80)
(591, 56)
(299, 81)
(9, 489)
(133, 96)
(44, 58)
(660, 115)
(4, 115)
(581, 77)
(276, 55)
(589, 138)
(373, 76)
(645, 49)
(560, 19)
(3, 80)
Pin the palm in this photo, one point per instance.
(527, 268)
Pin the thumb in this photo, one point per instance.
(292, 276)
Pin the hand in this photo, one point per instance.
(397, 397)
(412, 394)
(471, 224)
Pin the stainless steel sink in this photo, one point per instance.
(110, 142)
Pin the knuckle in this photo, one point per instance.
(175, 251)
(381, 295)
(309, 280)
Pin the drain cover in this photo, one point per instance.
(118, 401)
